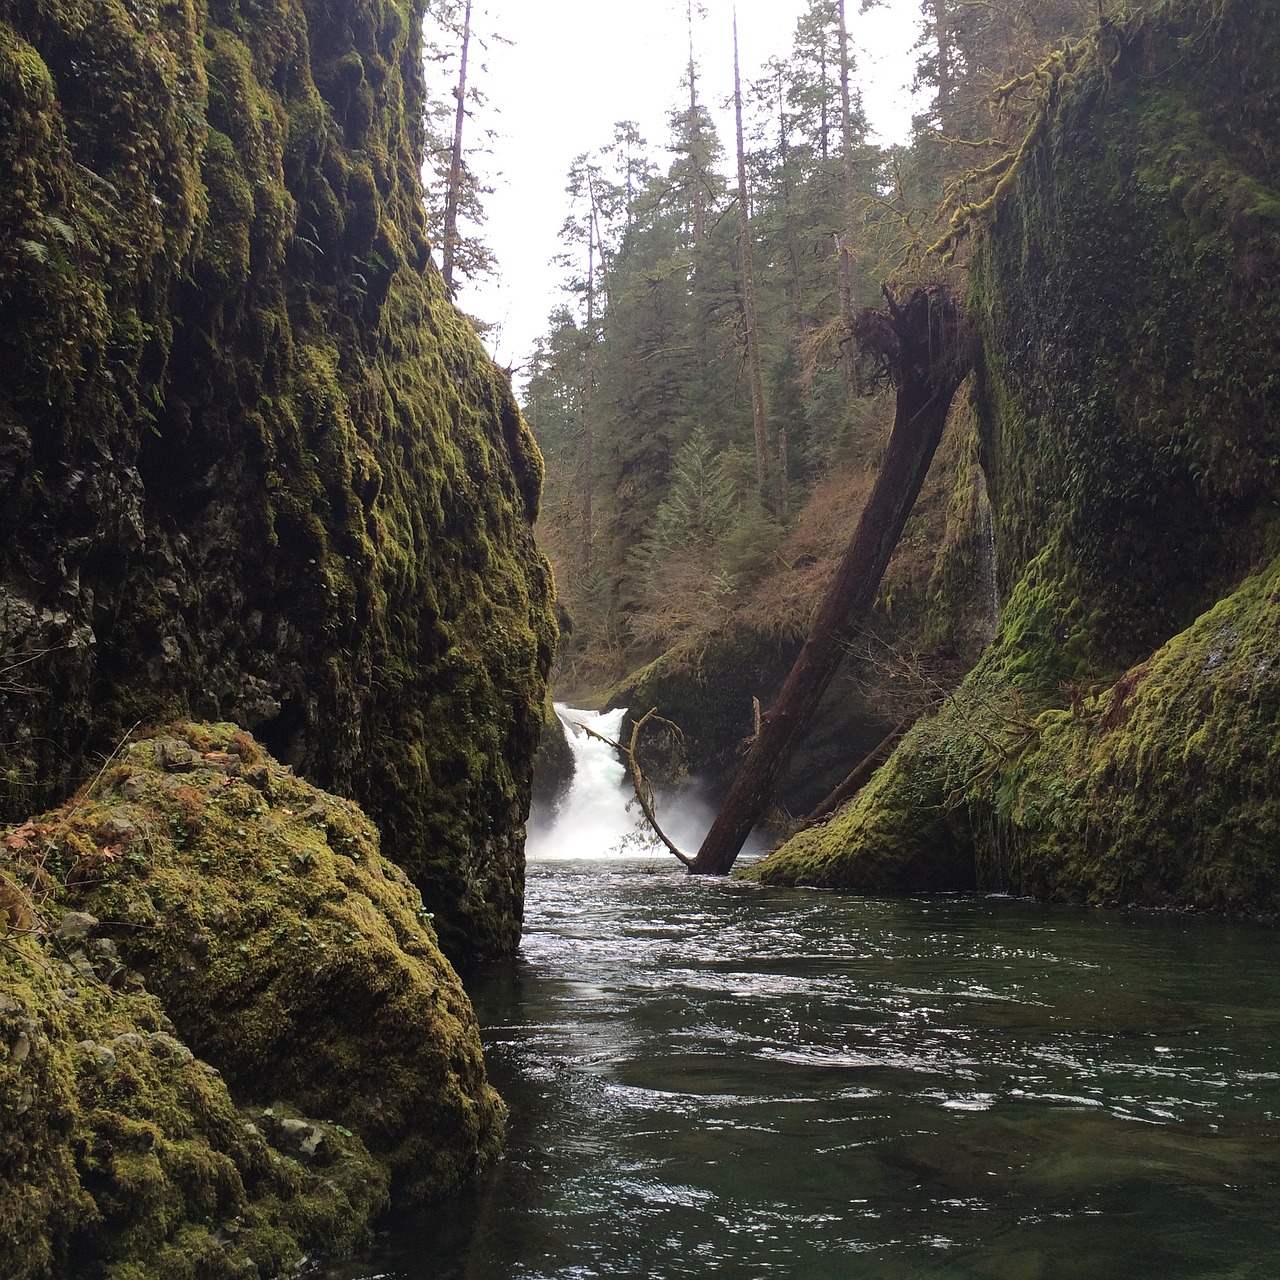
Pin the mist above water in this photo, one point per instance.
(597, 817)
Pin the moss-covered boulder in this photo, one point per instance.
(1116, 744)
(123, 1156)
(254, 465)
(286, 949)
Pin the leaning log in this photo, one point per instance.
(924, 346)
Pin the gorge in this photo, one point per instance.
(277, 643)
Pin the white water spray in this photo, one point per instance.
(591, 818)
(598, 818)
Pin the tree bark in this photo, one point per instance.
(695, 144)
(925, 348)
(845, 239)
(587, 452)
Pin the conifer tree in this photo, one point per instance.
(455, 199)
(759, 424)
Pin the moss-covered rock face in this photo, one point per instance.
(254, 465)
(123, 1156)
(1117, 742)
(200, 899)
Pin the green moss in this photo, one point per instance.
(262, 469)
(1164, 788)
(1109, 747)
(291, 953)
(899, 824)
(279, 944)
(122, 1155)
(553, 770)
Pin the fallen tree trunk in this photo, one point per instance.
(925, 348)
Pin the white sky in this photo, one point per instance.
(575, 67)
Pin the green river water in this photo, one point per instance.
(712, 1079)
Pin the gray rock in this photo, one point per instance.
(175, 756)
(259, 775)
(167, 1046)
(75, 925)
(132, 788)
(102, 1055)
(117, 830)
(301, 1136)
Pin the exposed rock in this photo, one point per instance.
(75, 925)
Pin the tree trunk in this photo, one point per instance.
(925, 348)
(587, 452)
(453, 195)
(749, 287)
(599, 239)
(847, 284)
(695, 145)
(856, 778)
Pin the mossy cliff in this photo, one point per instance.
(198, 953)
(253, 464)
(1118, 741)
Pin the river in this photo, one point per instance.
(710, 1078)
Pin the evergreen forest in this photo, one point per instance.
(699, 396)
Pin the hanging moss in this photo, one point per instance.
(1128, 416)
(257, 467)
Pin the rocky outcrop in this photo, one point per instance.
(1116, 743)
(253, 464)
(225, 1025)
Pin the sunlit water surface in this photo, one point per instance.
(707, 1078)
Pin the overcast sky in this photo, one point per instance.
(574, 67)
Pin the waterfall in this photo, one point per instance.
(598, 818)
(591, 819)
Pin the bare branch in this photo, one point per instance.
(644, 792)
